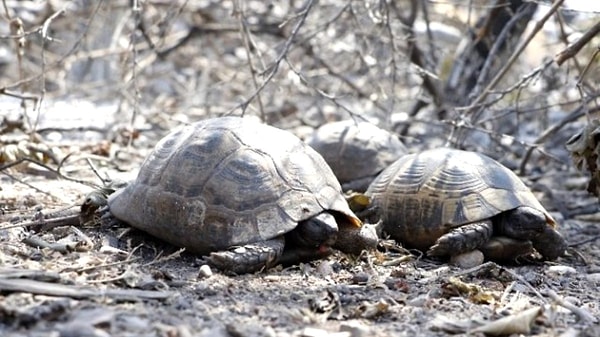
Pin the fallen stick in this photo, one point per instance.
(583, 314)
(61, 290)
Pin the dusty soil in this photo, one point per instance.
(114, 281)
(343, 60)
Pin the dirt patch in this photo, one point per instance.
(296, 65)
(114, 281)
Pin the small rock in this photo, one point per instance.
(467, 260)
(314, 332)
(81, 330)
(360, 278)
(561, 270)
(595, 277)
(249, 329)
(324, 268)
(214, 331)
(395, 283)
(573, 300)
(418, 301)
(204, 271)
(356, 329)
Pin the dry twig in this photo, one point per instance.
(576, 46)
(54, 289)
(476, 104)
(583, 314)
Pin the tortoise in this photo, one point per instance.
(246, 194)
(356, 151)
(448, 202)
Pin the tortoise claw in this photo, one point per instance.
(462, 239)
(248, 258)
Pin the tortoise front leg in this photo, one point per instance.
(248, 258)
(462, 239)
(503, 248)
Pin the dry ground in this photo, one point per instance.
(341, 58)
(112, 281)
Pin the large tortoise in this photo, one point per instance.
(448, 202)
(356, 151)
(246, 194)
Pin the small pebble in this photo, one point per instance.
(204, 271)
(561, 270)
(467, 260)
(324, 268)
(573, 300)
(314, 332)
(418, 301)
(360, 278)
(395, 283)
(356, 329)
(595, 277)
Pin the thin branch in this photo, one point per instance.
(245, 32)
(501, 40)
(586, 69)
(583, 314)
(275, 67)
(44, 33)
(416, 55)
(577, 113)
(576, 46)
(75, 291)
(321, 93)
(137, 18)
(65, 56)
(476, 104)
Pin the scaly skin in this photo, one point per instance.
(462, 239)
(249, 258)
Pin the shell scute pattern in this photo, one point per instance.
(423, 196)
(227, 182)
(356, 151)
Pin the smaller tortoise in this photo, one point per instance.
(246, 194)
(448, 202)
(356, 151)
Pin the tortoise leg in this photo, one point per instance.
(248, 258)
(462, 239)
(503, 248)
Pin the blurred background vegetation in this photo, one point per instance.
(483, 75)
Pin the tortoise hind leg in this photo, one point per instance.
(462, 239)
(248, 258)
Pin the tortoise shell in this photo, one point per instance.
(356, 150)
(228, 181)
(423, 196)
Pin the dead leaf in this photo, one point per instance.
(519, 323)
(473, 292)
(370, 309)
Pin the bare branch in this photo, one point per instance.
(275, 66)
(476, 104)
(576, 46)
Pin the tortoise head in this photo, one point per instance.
(319, 230)
(528, 223)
